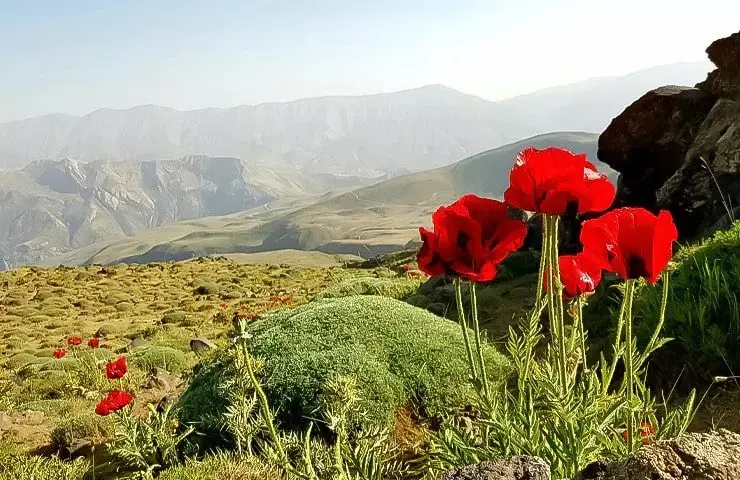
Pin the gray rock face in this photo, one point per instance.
(695, 456)
(201, 345)
(517, 468)
(52, 207)
(676, 148)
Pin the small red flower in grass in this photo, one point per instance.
(579, 274)
(405, 267)
(554, 180)
(631, 242)
(114, 401)
(72, 341)
(470, 238)
(647, 431)
(59, 353)
(243, 307)
(279, 299)
(93, 343)
(116, 368)
(224, 305)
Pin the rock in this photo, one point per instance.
(75, 448)
(693, 456)
(439, 309)
(420, 301)
(647, 143)
(692, 194)
(428, 287)
(138, 342)
(444, 294)
(199, 345)
(676, 147)
(160, 378)
(725, 54)
(522, 467)
(164, 402)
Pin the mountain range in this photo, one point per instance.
(85, 182)
(366, 221)
(362, 136)
(52, 207)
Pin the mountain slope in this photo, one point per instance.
(367, 221)
(364, 135)
(52, 207)
(367, 136)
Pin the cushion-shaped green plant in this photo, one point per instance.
(157, 356)
(395, 287)
(399, 354)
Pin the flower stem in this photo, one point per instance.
(543, 262)
(581, 331)
(607, 379)
(478, 346)
(661, 319)
(464, 326)
(628, 365)
(555, 299)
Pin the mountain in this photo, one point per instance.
(590, 105)
(368, 135)
(53, 207)
(366, 221)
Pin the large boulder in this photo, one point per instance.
(694, 456)
(676, 147)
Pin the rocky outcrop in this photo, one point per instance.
(695, 456)
(678, 148)
(522, 467)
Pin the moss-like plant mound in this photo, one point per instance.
(398, 353)
(394, 287)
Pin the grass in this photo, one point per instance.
(401, 356)
(40, 307)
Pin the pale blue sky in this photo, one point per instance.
(75, 56)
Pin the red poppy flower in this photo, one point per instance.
(579, 274)
(243, 307)
(116, 368)
(631, 242)
(405, 267)
(114, 401)
(646, 433)
(554, 180)
(93, 343)
(224, 305)
(59, 353)
(470, 238)
(74, 341)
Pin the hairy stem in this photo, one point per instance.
(607, 380)
(478, 346)
(555, 299)
(629, 374)
(464, 327)
(559, 310)
(661, 318)
(581, 331)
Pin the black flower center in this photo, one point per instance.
(462, 240)
(636, 267)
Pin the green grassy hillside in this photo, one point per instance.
(368, 221)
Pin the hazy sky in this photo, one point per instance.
(75, 56)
